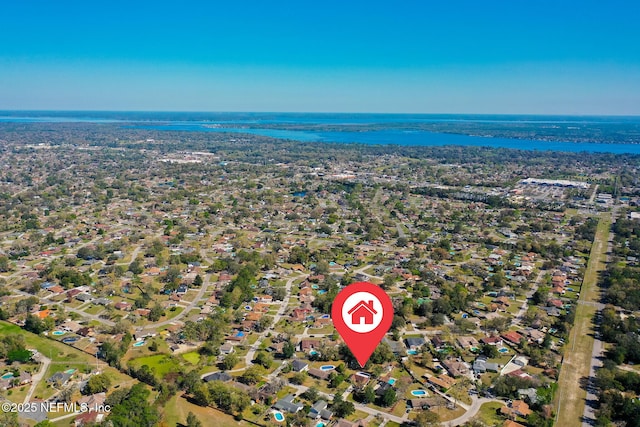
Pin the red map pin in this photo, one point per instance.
(362, 313)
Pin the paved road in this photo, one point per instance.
(518, 317)
(283, 308)
(35, 379)
(472, 411)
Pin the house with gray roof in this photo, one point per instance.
(319, 410)
(414, 343)
(217, 376)
(286, 404)
(299, 365)
(481, 365)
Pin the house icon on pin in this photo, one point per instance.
(362, 313)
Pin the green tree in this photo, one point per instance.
(97, 384)
(136, 267)
(4, 264)
(198, 281)
(193, 421)
(252, 375)
(156, 313)
(229, 361)
(388, 398)
(288, 350)
(427, 419)
(134, 410)
(263, 359)
(342, 409)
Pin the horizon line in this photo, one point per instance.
(315, 112)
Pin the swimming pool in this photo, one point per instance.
(320, 424)
(419, 393)
(315, 287)
(278, 416)
(322, 292)
(70, 340)
(69, 371)
(392, 381)
(240, 334)
(313, 353)
(475, 349)
(247, 307)
(465, 315)
(327, 367)
(57, 333)
(7, 376)
(412, 352)
(503, 350)
(138, 344)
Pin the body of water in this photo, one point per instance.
(236, 122)
(412, 138)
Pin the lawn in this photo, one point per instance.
(488, 414)
(192, 357)
(177, 408)
(94, 309)
(577, 357)
(161, 364)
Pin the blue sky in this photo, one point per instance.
(545, 57)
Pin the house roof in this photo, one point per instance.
(287, 404)
(217, 376)
(299, 365)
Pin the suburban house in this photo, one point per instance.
(286, 404)
(319, 410)
(299, 365)
(319, 373)
(414, 343)
(217, 376)
(481, 365)
(517, 408)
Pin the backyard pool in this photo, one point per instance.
(322, 291)
(475, 349)
(503, 350)
(69, 371)
(419, 393)
(57, 333)
(7, 376)
(392, 381)
(240, 334)
(320, 424)
(313, 353)
(70, 340)
(278, 416)
(412, 352)
(465, 315)
(327, 367)
(247, 307)
(314, 286)
(138, 344)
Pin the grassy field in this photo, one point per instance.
(488, 414)
(63, 357)
(161, 364)
(177, 408)
(191, 357)
(577, 358)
